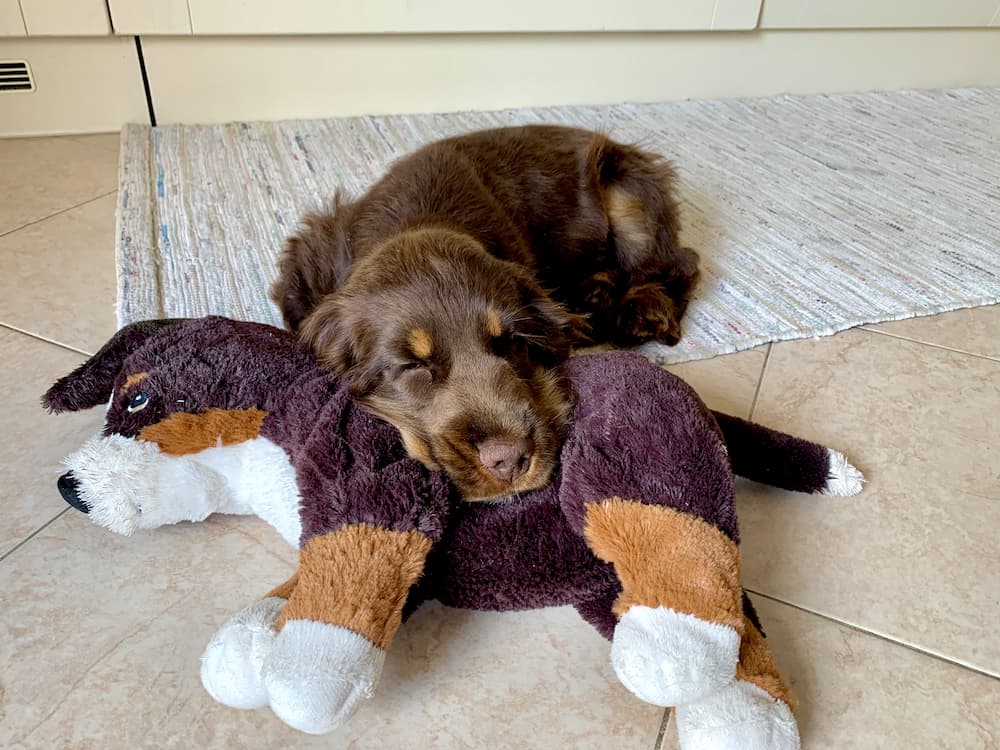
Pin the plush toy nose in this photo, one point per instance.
(68, 485)
(507, 460)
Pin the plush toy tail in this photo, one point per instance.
(781, 460)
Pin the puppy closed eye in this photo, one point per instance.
(415, 373)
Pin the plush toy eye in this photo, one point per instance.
(138, 402)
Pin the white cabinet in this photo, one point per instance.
(150, 16)
(65, 17)
(428, 16)
(11, 23)
(813, 14)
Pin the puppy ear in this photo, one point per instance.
(342, 346)
(91, 383)
(290, 291)
(551, 329)
(316, 260)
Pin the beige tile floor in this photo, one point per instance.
(879, 608)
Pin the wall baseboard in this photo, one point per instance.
(95, 85)
(82, 85)
(215, 79)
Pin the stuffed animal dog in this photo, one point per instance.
(637, 529)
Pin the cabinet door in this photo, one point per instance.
(65, 17)
(150, 16)
(811, 14)
(428, 16)
(10, 19)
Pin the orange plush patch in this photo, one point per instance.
(358, 577)
(664, 557)
(181, 434)
(134, 379)
(757, 666)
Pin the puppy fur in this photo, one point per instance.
(449, 294)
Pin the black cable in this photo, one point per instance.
(145, 82)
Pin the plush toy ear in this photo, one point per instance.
(90, 384)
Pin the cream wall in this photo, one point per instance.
(798, 14)
(210, 80)
(82, 85)
(11, 22)
(217, 60)
(65, 17)
(264, 17)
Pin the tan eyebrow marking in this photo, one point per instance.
(134, 379)
(420, 342)
(494, 325)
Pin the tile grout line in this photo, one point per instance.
(658, 745)
(31, 536)
(57, 213)
(760, 382)
(930, 344)
(874, 634)
(39, 337)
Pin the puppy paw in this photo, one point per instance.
(668, 658)
(600, 292)
(318, 674)
(740, 716)
(232, 662)
(646, 313)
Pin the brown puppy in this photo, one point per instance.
(428, 293)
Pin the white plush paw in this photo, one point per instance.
(668, 658)
(232, 662)
(318, 674)
(842, 478)
(741, 716)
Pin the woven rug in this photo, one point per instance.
(812, 214)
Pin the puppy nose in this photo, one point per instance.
(68, 485)
(507, 460)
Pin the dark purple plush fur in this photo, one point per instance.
(637, 433)
(351, 463)
(640, 433)
(775, 458)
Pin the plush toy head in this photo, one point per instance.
(186, 405)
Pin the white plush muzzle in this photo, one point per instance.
(130, 484)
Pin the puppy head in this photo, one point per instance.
(460, 351)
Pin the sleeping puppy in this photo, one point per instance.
(449, 294)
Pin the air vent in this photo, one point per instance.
(15, 75)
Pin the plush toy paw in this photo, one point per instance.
(842, 478)
(741, 716)
(668, 658)
(232, 662)
(318, 674)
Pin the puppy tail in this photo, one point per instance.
(780, 460)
